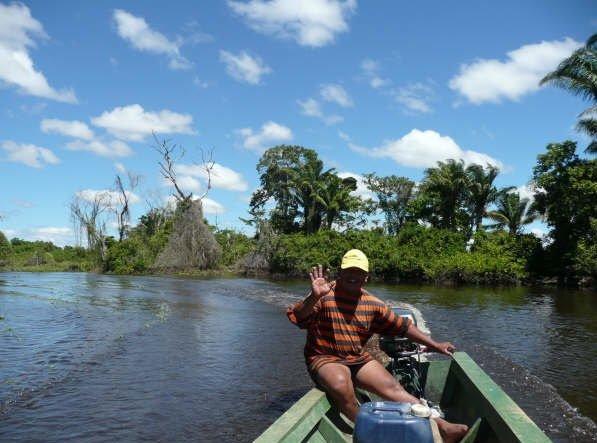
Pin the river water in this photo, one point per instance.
(86, 357)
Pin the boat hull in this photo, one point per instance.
(462, 389)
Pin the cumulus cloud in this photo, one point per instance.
(72, 128)
(209, 206)
(271, 134)
(28, 154)
(312, 108)
(244, 68)
(415, 97)
(110, 199)
(362, 190)
(423, 149)
(18, 29)
(60, 236)
(139, 34)
(113, 148)
(312, 23)
(371, 70)
(221, 176)
(336, 94)
(492, 80)
(133, 123)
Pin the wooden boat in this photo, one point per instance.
(462, 389)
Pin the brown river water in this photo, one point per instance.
(86, 357)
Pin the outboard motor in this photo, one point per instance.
(399, 347)
(404, 356)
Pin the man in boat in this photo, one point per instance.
(340, 317)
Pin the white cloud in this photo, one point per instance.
(17, 32)
(120, 167)
(271, 134)
(415, 97)
(211, 206)
(135, 124)
(187, 184)
(138, 33)
(110, 199)
(113, 148)
(28, 154)
(309, 22)
(423, 149)
(312, 108)
(371, 70)
(491, 80)
(60, 236)
(336, 94)
(221, 176)
(525, 191)
(243, 67)
(362, 190)
(73, 128)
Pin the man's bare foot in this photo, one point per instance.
(451, 432)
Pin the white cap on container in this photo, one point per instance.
(419, 410)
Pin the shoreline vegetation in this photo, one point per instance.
(453, 226)
(430, 232)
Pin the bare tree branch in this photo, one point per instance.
(86, 218)
(169, 157)
(207, 163)
(122, 210)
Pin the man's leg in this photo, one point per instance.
(373, 377)
(335, 379)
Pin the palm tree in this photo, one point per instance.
(446, 190)
(512, 212)
(334, 197)
(482, 191)
(305, 186)
(578, 75)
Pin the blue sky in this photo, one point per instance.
(386, 87)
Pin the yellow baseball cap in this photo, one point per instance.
(355, 258)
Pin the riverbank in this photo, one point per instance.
(417, 254)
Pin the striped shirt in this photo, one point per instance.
(340, 325)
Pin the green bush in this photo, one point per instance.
(235, 246)
(415, 253)
(130, 256)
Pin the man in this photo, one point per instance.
(340, 317)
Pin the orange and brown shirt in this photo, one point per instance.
(340, 325)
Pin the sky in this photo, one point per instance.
(386, 87)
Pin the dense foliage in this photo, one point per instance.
(21, 254)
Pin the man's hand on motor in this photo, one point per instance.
(445, 348)
(319, 283)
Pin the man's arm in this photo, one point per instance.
(319, 287)
(417, 336)
(305, 308)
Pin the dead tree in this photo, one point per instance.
(170, 153)
(86, 216)
(122, 209)
(191, 243)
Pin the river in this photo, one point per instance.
(89, 357)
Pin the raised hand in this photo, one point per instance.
(319, 283)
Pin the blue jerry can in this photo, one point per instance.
(390, 422)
